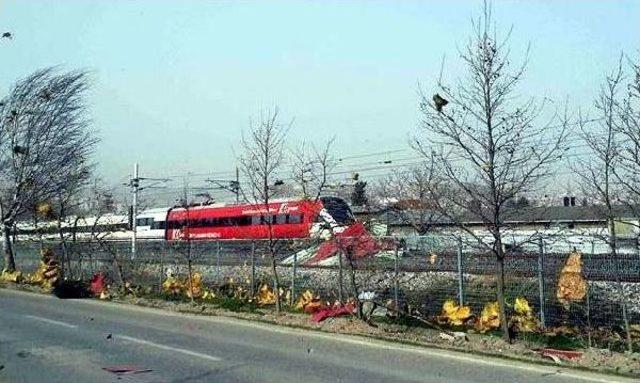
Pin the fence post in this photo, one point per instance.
(541, 280)
(293, 277)
(162, 250)
(340, 275)
(395, 279)
(253, 268)
(460, 274)
(218, 263)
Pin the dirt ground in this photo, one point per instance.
(601, 360)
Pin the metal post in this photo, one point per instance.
(541, 280)
(293, 277)
(340, 276)
(396, 281)
(218, 263)
(237, 186)
(460, 274)
(135, 182)
(253, 268)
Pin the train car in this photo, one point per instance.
(151, 223)
(107, 227)
(288, 218)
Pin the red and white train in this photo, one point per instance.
(286, 218)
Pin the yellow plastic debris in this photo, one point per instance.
(572, 286)
(208, 295)
(308, 302)
(489, 318)
(14, 276)
(48, 271)
(522, 307)
(453, 314)
(266, 296)
(195, 289)
(172, 286)
(523, 320)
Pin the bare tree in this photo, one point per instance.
(405, 195)
(311, 167)
(600, 174)
(44, 141)
(627, 107)
(487, 146)
(263, 155)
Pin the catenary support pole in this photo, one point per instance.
(340, 276)
(460, 274)
(396, 281)
(253, 268)
(135, 183)
(218, 276)
(541, 281)
(293, 277)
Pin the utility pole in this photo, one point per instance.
(135, 183)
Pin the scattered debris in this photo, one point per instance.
(452, 336)
(558, 355)
(489, 318)
(523, 320)
(266, 296)
(126, 369)
(572, 286)
(14, 276)
(338, 309)
(454, 315)
(308, 302)
(109, 336)
(23, 354)
(48, 272)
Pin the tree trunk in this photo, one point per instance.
(354, 285)
(613, 244)
(9, 260)
(504, 325)
(276, 282)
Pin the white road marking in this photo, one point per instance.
(51, 321)
(363, 341)
(169, 348)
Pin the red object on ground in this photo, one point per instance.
(125, 369)
(355, 237)
(562, 354)
(332, 312)
(97, 284)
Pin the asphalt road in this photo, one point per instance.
(44, 339)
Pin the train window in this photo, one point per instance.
(295, 218)
(281, 219)
(256, 220)
(158, 225)
(144, 221)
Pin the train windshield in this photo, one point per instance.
(338, 209)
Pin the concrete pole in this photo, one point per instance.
(541, 280)
(460, 274)
(135, 183)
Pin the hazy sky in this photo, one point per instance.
(175, 82)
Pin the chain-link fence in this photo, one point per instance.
(413, 273)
